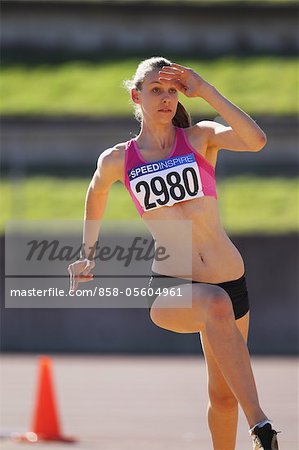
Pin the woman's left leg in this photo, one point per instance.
(223, 406)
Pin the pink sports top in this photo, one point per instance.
(182, 176)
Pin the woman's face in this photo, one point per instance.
(158, 100)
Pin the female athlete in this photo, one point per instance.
(181, 186)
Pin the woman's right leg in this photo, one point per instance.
(223, 405)
(212, 314)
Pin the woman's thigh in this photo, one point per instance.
(216, 381)
(187, 312)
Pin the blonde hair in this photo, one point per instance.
(182, 118)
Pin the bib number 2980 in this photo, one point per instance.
(175, 187)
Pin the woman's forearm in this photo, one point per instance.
(95, 205)
(240, 122)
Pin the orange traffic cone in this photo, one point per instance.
(45, 424)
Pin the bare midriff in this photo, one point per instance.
(193, 234)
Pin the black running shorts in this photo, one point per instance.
(236, 289)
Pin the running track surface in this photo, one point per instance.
(140, 402)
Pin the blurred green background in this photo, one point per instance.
(262, 85)
(248, 204)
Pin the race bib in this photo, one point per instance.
(166, 182)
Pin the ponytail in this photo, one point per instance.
(182, 118)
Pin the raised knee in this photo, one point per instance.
(221, 402)
(163, 318)
(157, 315)
(219, 306)
(179, 320)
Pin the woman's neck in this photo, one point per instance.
(156, 136)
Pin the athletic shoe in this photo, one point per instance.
(264, 438)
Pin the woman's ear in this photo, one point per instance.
(135, 96)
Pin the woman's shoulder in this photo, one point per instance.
(199, 130)
(197, 135)
(115, 153)
(111, 161)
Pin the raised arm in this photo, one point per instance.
(242, 134)
(108, 171)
